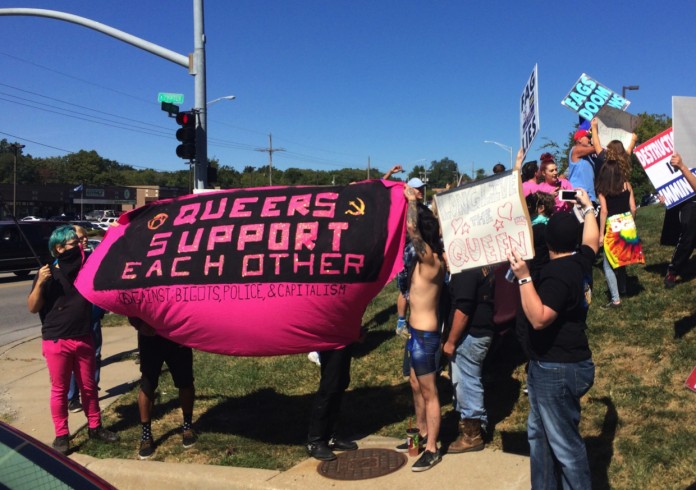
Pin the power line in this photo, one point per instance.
(213, 141)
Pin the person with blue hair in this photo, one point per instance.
(66, 336)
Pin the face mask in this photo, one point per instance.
(70, 262)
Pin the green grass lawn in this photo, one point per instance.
(639, 421)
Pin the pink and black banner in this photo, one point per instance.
(253, 272)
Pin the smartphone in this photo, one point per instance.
(566, 195)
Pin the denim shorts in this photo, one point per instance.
(424, 350)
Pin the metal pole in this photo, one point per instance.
(201, 165)
(14, 186)
(16, 148)
(165, 53)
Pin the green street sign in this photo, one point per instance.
(171, 98)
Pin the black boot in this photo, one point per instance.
(320, 450)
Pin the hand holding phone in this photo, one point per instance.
(567, 195)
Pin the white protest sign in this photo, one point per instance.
(588, 96)
(482, 221)
(529, 111)
(684, 124)
(654, 156)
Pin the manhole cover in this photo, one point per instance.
(362, 464)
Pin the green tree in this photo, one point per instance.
(442, 172)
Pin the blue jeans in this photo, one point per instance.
(556, 449)
(467, 366)
(616, 280)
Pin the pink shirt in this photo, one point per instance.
(551, 189)
(529, 187)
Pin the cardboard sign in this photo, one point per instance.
(529, 111)
(588, 96)
(614, 124)
(266, 271)
(654, 156)
(483, 221)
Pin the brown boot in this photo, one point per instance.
(470, 437)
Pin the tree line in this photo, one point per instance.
(89, 168)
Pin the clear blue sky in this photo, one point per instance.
(335, 81)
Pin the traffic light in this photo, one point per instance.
(187, 135)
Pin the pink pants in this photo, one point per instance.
(63, 357)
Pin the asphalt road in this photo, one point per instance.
(16, 322)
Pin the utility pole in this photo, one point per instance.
(270, 150)
(368, 168)
(16, 148)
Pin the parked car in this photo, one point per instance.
(15, 254)
(92, 243)
(28, 463)
(31, 218)
(649, 199)
(87, 225)
(98, 214)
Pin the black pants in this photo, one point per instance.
(335, 378)
(687, 238)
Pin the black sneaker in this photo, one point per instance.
(320, 450)
(427, 461)
(342, 444)
(74, 405)
(61, 444)
(102, 434)
(611, 305)
(403, 448)
(189, 438)
(147, 448)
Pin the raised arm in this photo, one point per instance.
(632, 144)
(677, 162)
(394, 170)
(35, 301)
(596, 145)
(423, 250)
(518, 159)
(590, 231)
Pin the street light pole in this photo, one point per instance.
(16, 148)
(504, 147)
(226, 97)
(628, 87)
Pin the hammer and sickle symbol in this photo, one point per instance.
(157, 221)
(358, 209)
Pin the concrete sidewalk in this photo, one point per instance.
(24, 393)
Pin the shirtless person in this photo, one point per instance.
(426, 283)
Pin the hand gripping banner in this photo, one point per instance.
(253, 272)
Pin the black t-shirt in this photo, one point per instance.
(65, 314)
(565, 287)
(541, 251)
(472, 293)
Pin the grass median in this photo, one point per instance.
(638, 420)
